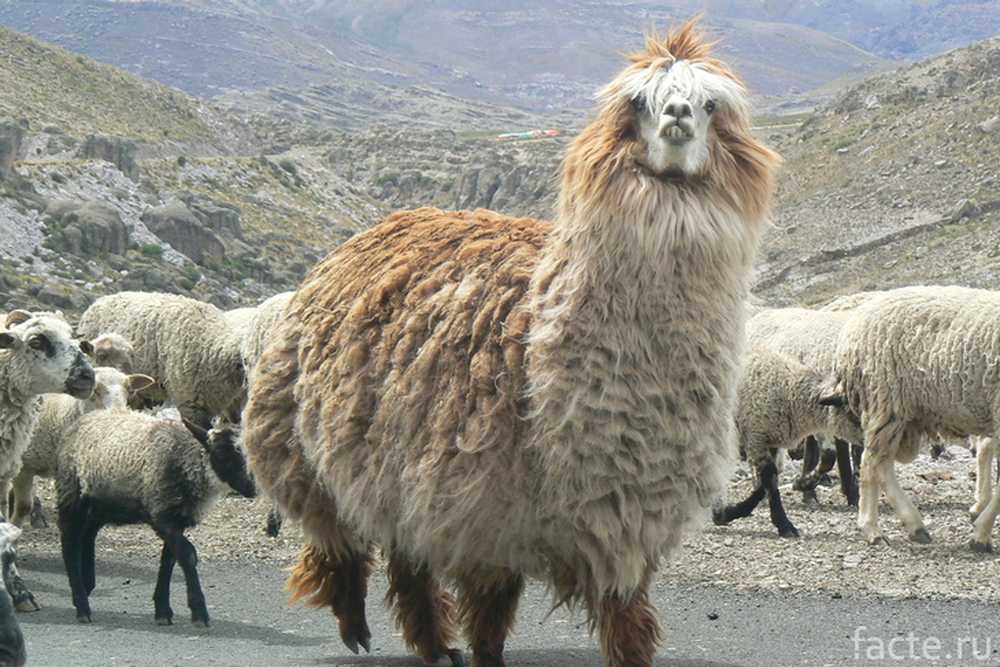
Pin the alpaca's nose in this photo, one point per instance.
(678, 108)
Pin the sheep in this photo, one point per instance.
(258, 331)
(12, 648)
(780, 401)
(119, 467)
(491, 398)
(916, 362)
(38, 355)
(187, 345)
(111, 350)
(112, 389)
(810, 337)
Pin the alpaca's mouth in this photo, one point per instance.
(668, 175)
(675, 134)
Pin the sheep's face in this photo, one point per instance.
(114, 389)
(114, 351)
(47, 353)
(228, 460)
(673, 107)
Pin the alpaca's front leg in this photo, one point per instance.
(629, 631)
(488, 606)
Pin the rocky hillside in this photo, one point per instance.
(896, 182)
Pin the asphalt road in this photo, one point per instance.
(253, 625)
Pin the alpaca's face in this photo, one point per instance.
(674, 106)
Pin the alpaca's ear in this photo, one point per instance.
(16, 317)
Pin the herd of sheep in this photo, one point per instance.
(884, 369)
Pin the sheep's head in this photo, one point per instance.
(674, 117)
(50, 360)
(114, 389)
(226, 455)
(111, 349)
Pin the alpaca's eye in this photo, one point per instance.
(639, 104)
(709, 106)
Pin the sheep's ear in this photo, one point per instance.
(137, 383)
(9, 341)
(200, 434)
(16, 317)
(836, 400)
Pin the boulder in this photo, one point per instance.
(11, 136)
(177, 225)
(116, 150)
(88, 228)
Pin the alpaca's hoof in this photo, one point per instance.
(920, 536)
(790, 532)
(981, 547)
(356, 635)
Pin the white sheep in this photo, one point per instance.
(810, 337)
(916, 362)
(259, 329)
(38, 355)
(59, 413)
(121, 466)
(779, 402)
(187, 345)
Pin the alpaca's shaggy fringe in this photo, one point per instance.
(318, 579)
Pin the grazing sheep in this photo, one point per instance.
(12, 649)
(187, 345)
(38, 355)
(59, 412)
(125, 467)
(780, 401)
(810, 337)
(491, 398)
(111, 350)
(917, 362)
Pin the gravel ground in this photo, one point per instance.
(830, 558)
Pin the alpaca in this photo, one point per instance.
(489, 398)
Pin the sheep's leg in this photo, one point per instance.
(71, 527)
(163, 614)
(20, 499)
(339, 581)
(810, 459)
(901, 503)
(848, 480)
(809, 480)
(38, 518)
(725, 515)
(187, 557)
(629, 631)
(89, 556)
(868, 496)
(274, 521)
(769, 481)
(983, 525)
(424, 612)
(488, 608)
(985, 453)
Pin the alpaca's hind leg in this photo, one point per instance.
(336, 578)
(424, 612)
(488, 607)
(629, 631)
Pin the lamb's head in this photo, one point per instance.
(225, 454)
(114, 389)
(111, 349)
(842, 421)
(674, 117)
(12, 650)
(48, 359)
